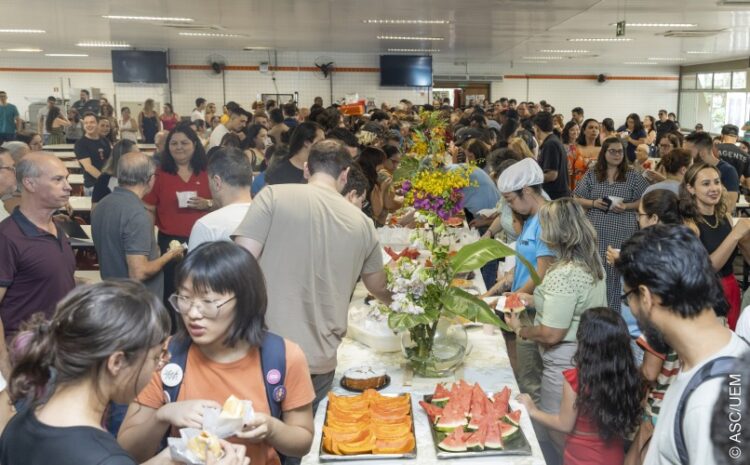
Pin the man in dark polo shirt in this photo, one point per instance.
(36, 260)
(552, 157)
(728, 151)
(123, 230)
(91, 152)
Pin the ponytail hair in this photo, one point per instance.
(89, 325)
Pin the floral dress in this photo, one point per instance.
(612, 229)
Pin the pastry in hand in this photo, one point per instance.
(174, 244)
(203, 443)
(233, 408)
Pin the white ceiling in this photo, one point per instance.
(480, 30)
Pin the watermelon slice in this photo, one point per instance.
(513, 304)
(513, 418)
(508, 432)
(477, 439)
(478, 406)
(454, 442)
(451, 418)
(433, 411)
(501, 400)
(493, 439)
(441, 395)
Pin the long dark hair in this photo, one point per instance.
(226, 268)
(89, 325)
(53, 114)
(582, 136)
(369, 160)
(508, 129)
(198, 161)
(304, 132)
(637, 123)
(609, 385)
(601, 162)
(566, 132)
(251, 133)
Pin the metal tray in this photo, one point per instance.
(518, 446)
(326, 457)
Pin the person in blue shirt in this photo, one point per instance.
(10, 120)
(521, 187)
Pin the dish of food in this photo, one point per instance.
(362, 378)
(203, 443)
(455, 222)
(466, 422)
(513, 304)
(368, 426)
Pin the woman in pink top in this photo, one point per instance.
(601, 400)
(169, 118)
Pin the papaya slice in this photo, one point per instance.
(398, 446)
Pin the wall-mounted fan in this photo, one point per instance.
(325, 65)
(216, 63)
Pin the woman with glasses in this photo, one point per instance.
(610, 192)
(573, 284)
(221, 304)
(102, 345)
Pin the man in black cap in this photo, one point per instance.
(728, 151)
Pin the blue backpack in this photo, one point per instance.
(272, 363)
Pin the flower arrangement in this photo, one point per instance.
(437, 191)
(422, 287)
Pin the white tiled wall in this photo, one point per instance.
(615, 98)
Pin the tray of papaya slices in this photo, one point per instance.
(369, 426)
(467, 422)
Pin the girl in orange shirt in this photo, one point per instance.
(221, 302)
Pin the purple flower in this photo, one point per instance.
(406, 186)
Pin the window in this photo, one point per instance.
(705, 81)
(688, 82)
(722, 80)
(739, 80)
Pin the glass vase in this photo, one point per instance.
(435, 351)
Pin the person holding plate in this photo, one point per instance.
(573, 284)
(610, 192)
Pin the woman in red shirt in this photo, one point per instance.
(180, 195)
(595, 413)
(169, 118)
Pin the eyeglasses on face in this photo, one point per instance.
(209, 309)
(615, 151)
(626, 296)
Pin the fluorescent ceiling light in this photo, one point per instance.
(149, 18)
(533, 62)
(564, 51)
(250, 49)
(665, 59)
(415, 50)
(698, 52)
(656, 24)
(23, 31)
(542, 58)
(27, 50)
(600, 39)
(103, 44)
(640, 63)
(66, 54)
(209, 34)
(406, 21)
(408, 38)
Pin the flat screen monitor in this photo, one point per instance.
(405, 71)
(139, 66)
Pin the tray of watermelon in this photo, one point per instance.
(369, 426)
(467, 422)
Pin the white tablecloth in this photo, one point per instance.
(486, 363)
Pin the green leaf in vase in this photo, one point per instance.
(458, 302)
(479, 253)
(406, 169)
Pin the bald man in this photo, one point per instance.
(123, 229)
(36, 260)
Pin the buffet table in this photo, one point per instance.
(486, 363)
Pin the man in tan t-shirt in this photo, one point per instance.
(313, 245)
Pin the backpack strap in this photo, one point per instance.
(717, 368)
(173, 372)
(273, 367)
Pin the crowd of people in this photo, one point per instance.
(631, 229)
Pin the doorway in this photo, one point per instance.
(462, 94)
